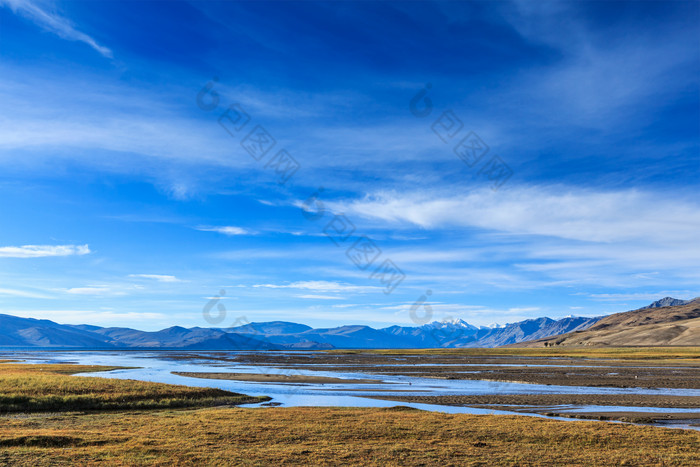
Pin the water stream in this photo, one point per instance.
(160, 367)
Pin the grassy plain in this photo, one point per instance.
(40, 388)
(332, 436)
(45, 424)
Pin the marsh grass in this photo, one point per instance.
(293, 436)
(42, 388)
(334, 436)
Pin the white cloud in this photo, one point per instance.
(22, 293)
(91, 291)
(40, 251)
(301, 233)
(259, 253)
(523, 309)
(321, 286)
(227, 230)
(405, 307)
(157, 277)
(80, 118)
(319, 297)
(103, 289)
(99, 318)
(650, 296)
(569, 213)
(53, 22)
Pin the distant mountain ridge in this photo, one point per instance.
(666, 301)
(279, 335)
(666, 322)
(446, 334)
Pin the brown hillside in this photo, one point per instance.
(673, 325)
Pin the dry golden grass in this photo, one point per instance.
(673, 325)
(32, 388)
(300, 436)
(333, 436)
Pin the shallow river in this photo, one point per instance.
(159, 367)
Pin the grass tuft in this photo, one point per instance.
(333, 436)
(50, 388)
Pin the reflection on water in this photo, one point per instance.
(159, 367)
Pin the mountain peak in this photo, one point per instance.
(454, 323)
(666, 301)
(278, 335)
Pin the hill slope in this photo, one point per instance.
(664, 325)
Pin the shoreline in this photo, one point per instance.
(276, 378)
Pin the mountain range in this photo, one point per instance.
(280, 335)
(666, 322)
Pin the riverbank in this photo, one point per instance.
(616, 368)
(561, 405)
(75, 420)
(52, 388)
(273, 378)
(331, 436)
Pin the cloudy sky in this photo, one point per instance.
(335, 163)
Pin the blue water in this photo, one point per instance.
(159, 367)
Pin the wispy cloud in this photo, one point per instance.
(564, 212)
(651, 296)
(474, 314)
(40, 251)
(92, 291)
(227, 230)
(22, 293)
(116, 289)
(319, 297)
(613, 80)
(321, 286)
(157, 277)
(95, 317)
(39, 14)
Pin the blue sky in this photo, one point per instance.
(127, 203)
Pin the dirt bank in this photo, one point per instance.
(536, 370)
(279, 378)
